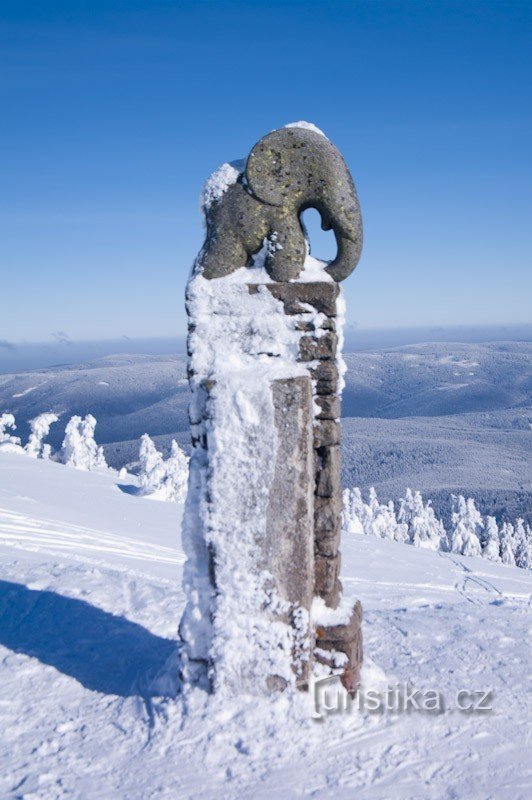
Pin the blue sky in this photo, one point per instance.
(114, 113)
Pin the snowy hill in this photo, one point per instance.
(441, 418)
(90, 598)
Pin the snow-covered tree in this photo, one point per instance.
(8, 421)
(352, 511)
(507, 544)
(152, 471)
(467, 524)
(491, 547)
(8, 442)
(420, 525)
(357, 514)
(523, 546)
(176, 478)
(384, 521)
(79, 448)
(406, 511)
(426, 530)
(401, 533)
(165, 480)
(416, 523)
(40, 428)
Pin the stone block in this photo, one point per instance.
(327, 513)
(320, 295)
(329, 406)
(326, 433)
(288, 549)
(327, 545)
(327, 570)
(328, 471)
(326, 376)
(318, 348)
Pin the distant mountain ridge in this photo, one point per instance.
(439, 417)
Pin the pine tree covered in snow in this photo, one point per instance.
(491, 548)
(79, 448)
(416, 523)
(40, 428)
(176, 479)
(151, 472)
(8, 421)
(522, 547)
(427, 530)
(406, 511)
(423, 529)
(357, 515)
(8, 442)
(164, 480)
(507, 544)
(467, 525)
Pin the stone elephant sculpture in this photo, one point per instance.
(287, 171)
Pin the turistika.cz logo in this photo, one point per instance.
(328, 696)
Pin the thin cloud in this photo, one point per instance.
(7, 345)
(62, 337)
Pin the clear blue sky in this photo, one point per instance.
(114, 113)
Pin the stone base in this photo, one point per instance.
(343, 639)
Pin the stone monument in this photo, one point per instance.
(262, 521)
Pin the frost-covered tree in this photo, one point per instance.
(523, 546)
(371, 518)
(152, 471)
(8, 442)
(507, 544)
(420, 525)
(426, 530)
(176, 477)
(165, 480)
(79, 448)
(384, 521)
(40, 428)
(406, 511)
(491, 547)
(352, 511)
(467, 524)
(362, 511)
(8, 421)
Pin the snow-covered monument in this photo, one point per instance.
(263, 513)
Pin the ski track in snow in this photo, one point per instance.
(21, 531)
(89, 613)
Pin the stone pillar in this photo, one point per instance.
(262, 520)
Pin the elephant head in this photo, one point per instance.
(287, 171)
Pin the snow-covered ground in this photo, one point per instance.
(90, 598)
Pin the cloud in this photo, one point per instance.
(61, 337)
(7, 345)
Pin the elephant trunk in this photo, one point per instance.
(347, 256)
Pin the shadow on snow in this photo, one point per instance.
(104, 652)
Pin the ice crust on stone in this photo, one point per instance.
(240, 342)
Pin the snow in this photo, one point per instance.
(25, 392)
(90, 596)
(217, 184)
(309, 126)
(313, 270)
